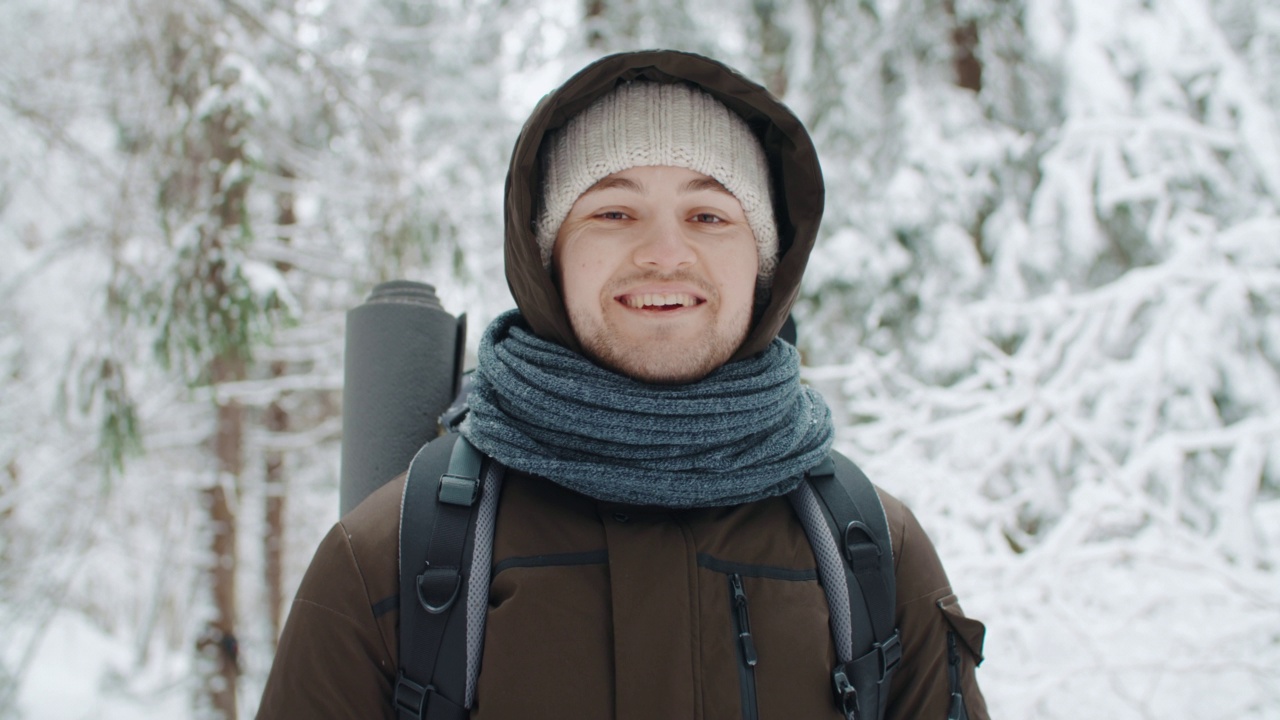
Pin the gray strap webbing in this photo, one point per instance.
(478, 583)
(830, 566)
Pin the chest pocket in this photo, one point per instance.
(765, 642)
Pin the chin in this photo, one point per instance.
(670, 355)
(661, 373)
(662, 362)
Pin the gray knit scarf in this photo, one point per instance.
(747, 431)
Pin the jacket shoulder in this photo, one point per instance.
(927, 612)
(373, 526)
(372, 530)
(337, 654)
(918, 570)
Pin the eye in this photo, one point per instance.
(708, 218)
(612, 215)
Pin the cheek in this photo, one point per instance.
(739, 275)
(581, 280)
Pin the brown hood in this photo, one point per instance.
(796, 176)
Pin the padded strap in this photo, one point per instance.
(435, 519)
(478, 585)
(831, 566)
(857, 520)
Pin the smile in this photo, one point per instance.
(660, 301)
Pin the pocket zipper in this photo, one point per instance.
(957, 710)
(746, 647)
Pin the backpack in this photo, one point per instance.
(453, 500)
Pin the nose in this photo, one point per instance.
(664, 247)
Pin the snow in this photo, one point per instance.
(74, 671)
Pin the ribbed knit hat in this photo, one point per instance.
(640, 124)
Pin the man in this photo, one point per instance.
(647, 426)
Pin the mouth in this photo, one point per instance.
(660, 302)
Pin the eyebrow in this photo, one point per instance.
(620, 183)
(704, 183)
(694, 185)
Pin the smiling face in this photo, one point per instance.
(657, 267)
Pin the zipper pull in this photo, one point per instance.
(743, 620)
(739, 595)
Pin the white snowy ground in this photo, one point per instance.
(76, 672)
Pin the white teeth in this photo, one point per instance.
(659, 299)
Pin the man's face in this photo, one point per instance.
(657, 267)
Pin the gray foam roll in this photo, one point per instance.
(401, 366)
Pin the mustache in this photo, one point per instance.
(684, 277)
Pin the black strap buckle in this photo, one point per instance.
(879, 663)
(458, 490)
(846, 694)
(411, 697)
(890, 653)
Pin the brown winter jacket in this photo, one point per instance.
(598, 610)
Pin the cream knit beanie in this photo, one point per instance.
(640, 124)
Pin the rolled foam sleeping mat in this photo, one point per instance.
(401, 362)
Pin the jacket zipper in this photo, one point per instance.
(957, 710)
(746, 647)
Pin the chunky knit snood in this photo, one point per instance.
(747, 431)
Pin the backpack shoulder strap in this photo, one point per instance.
(437, 529)
(849, 532)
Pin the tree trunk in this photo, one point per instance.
(774, 41)
(594, 16)
(276, 421)
(964, 47)
(219, 644)
(222, 132)
(8, 491)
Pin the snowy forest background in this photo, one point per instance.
(1045, 307)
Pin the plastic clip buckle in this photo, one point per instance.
(412, 697)
(890, 653)
(846, 694)
(458, 490)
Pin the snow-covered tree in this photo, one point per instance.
(1044, 307)
(1068, 282)
(255, 167)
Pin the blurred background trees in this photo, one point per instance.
(1044, 308)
